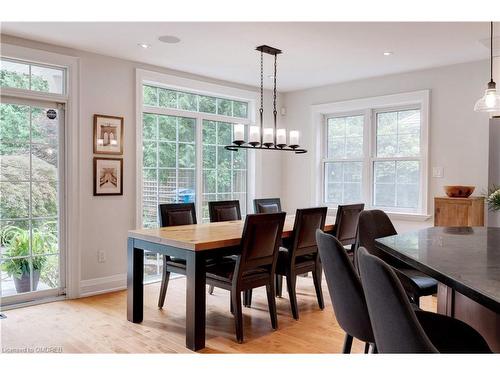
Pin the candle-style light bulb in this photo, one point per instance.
(254, 136)
(268, 138)
(281, 138)
(294, 138)
(239, 134)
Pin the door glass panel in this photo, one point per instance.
(29, 199)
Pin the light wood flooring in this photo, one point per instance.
(98, 324)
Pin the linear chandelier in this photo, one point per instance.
(261, 138)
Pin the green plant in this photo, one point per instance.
(493, 198)
(17, 242)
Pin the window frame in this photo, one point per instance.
(176, 83)
(370, 107)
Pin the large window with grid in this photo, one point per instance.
(183, 156)
(375, 156)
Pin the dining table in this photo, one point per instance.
(466, 263)
(194, 243)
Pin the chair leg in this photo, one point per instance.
(271, 301)
(317, 285)
(279, 285)
(165, 277)
(372, 349)
(247, 298)
(416, 300)
(290, 283)
(347, 344)
(238, 314)
(367, 347)
(211, 289)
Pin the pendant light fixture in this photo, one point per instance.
(490, 102)
(266, 138)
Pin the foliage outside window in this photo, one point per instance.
(29, 183)
(176, 149)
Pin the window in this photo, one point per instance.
(344, 163)
(397, 160)
(183, 155)
(26, 76)
(376, 153)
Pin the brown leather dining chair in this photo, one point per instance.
(254, 266)
(172, 214)
(267, 205)
(302, 255)
(346, 223)
(223, 211)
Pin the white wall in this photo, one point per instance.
(458, 135)
(107, 86)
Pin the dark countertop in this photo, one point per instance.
(465, 259)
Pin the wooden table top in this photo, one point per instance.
(208, 236)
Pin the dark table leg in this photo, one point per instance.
(195, 300)
(135, 287)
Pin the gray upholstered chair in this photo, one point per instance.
(375, 224)
(398, 327)
(346, 291)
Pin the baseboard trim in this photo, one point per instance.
(102, 285)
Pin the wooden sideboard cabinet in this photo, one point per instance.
(458, 212)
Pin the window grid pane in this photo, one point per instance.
(22, 75)
(161, 97)
(398, 133)
(397, 184)
(345, 137)
(343, 182)
(224, 172)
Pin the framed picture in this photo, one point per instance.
(108, 135)
(108, 176)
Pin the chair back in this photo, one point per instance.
(260, 242)
(307, 221)
(224, 211)
(172, 214)
(267, 205)
(346, 223)
(374, 224)
(344, 285)
(395, 325)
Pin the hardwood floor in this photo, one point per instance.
(98, 324)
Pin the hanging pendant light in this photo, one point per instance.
(269, 138)
(490, 102)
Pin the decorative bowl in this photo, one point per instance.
(457, 191)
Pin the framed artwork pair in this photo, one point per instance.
(108, 140)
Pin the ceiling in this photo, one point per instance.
(314, 54)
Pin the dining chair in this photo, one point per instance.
(262, 206)
(254, 266)
(346, 291)
(172, 214)
(224, 211)
(267, 205)
(302, 254)
(399, 328)
(346, 225)
(375, 224)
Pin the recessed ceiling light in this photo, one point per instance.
(144, 45)
(388, 53)
(171, 39)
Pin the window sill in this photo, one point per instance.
(395, 215)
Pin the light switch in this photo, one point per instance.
(437, 172)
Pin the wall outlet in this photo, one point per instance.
(437, 172)
(101, 256)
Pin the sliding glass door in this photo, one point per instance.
(30, 209)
